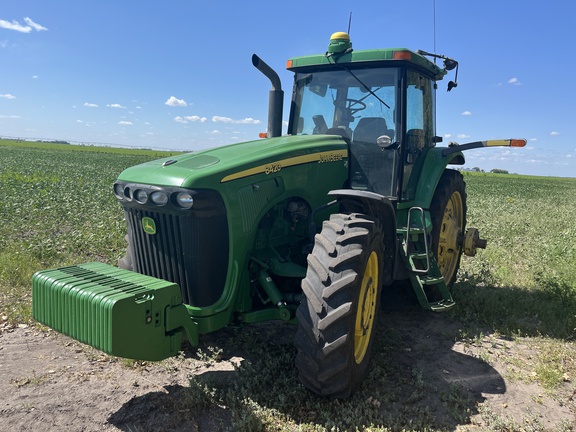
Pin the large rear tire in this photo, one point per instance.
(341, 300)
(448, 212)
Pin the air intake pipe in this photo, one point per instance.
(275, 98)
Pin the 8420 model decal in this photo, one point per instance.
(274, 167)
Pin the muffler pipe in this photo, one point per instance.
(275, 98)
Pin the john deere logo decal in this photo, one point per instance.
(148, 225)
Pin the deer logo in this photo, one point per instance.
(148, 225)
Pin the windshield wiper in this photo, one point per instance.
(361, 83)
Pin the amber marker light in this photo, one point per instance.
(288, 64)
(402, 55)
(517, 142)
(263, 135)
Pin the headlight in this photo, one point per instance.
(140, 196)
(159, 198)
(184, 200)
(119, 191)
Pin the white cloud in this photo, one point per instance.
(187, 119)
(514, 81)
(34, 25)
(215, 132)
(467, 113)
(249, 120)
(90, 105)
(115, 106)
(7, 96)
(220, 119)
(9, 116)
(35, 77)
(462, 136)
(16, 26)
(173, 102)
(125, 123)
(554, 133)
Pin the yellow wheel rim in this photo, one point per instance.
(450, 230)
(366, 312)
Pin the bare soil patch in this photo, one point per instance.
(49, 382)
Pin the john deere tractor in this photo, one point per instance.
(310, 227)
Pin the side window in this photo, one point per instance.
(419, 127)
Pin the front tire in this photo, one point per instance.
(342, 297)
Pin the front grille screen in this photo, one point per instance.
(190, 249)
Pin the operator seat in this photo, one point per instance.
(370, 128)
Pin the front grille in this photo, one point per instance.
(189, 248)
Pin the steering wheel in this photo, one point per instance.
(354, 105)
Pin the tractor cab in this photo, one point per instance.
(379, 101)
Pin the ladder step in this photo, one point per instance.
(419, 255)
(442, 305)
(413, 231)
(431, 280)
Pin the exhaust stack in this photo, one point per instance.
(275, 98)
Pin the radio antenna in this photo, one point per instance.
(434, 27)
(349, 23)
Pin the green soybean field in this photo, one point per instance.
(513, 326)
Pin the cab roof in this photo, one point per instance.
(340, 52)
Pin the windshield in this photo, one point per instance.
(335, 101)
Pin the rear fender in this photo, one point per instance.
(434, 165)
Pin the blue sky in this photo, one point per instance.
(178, 74)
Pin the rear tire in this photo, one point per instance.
(342, 298)
(448, 212)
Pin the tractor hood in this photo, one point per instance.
(208, 168)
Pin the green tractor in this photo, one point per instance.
(311, 227)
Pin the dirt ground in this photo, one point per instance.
(49, 382)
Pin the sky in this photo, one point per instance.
(178, 75)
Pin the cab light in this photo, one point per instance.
(263, 135)
(288, 64)
(184, 200)
(402, 55)
(159, 198)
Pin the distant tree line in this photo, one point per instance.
(495, 170)
(53, 141)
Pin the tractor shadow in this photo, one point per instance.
(417, 380)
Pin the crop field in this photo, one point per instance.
(57, 208)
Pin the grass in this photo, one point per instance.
(57, 208)
(516, 300)
(523, 283)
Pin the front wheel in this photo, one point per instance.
(337, 317)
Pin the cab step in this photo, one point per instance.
(421, 264)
